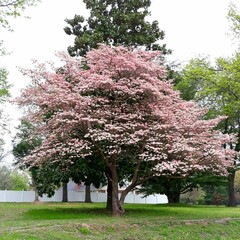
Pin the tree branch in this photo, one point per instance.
(11, 3)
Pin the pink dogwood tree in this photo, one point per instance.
(121, 107)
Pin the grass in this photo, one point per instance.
(31, 221)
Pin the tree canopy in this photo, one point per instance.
(114, 22)
(120, 109)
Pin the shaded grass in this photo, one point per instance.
(141, 221)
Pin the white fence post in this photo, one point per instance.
(5, 195)
(22, 196)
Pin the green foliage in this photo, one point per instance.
(12, 179)
(217, 87)
(114, 22)
(4, 95)
(234, 20)
(196, 196)
(216, 195)
(174, 187)
(19, 181)
(192, 79)
(5, 180)
(13, 8)
(22, 145)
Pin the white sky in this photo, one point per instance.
(192, 27)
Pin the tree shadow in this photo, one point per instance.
(61, 213)
(66, 211)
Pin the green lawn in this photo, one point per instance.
(50, 221)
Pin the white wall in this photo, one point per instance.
(29, 196)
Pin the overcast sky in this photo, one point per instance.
(192, 28)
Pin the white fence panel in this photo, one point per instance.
(139, 199)
(57, 197)
(16, 196)
(29, 196)
(98, 197)
(76, 196)
(3, 195)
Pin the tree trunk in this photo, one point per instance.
(36, 196)
(88, 193)
(109, 189)
(109, 195)
(231, 193)
(173, 197)
(117, 206)
(65, 192)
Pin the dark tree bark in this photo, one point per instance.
(88, 193)
(117, 206)
(65, 192)
(231, 193)
(173, 197)
(36, 196)
(109, 195)
(109, 190)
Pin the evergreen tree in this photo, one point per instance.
(114, 22)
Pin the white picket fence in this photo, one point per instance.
(29, 196)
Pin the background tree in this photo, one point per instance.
(4, 95)
(218, 87)
(234, 20)
(8, 8)
(114, 22)
(116, 108)
(173, 188)
(19, 180)
(12, 179)
(5, 180)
